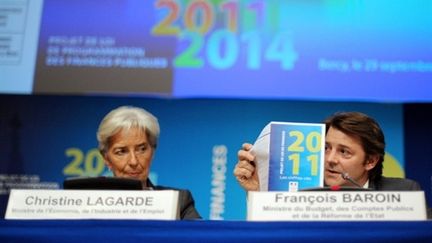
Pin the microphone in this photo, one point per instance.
(346, 177)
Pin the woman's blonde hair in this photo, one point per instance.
(125, 118)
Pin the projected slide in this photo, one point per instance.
(102, 47)
(313, 50)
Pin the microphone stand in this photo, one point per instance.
(345, 176)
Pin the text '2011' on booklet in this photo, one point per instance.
(290, 156)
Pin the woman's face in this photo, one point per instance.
(130, 154)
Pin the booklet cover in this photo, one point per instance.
(290, 156)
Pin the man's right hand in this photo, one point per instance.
(245, 171)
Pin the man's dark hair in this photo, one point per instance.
(368, 130)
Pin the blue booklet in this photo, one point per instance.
(290, 156)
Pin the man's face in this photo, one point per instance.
(345, 154)
(130, 154)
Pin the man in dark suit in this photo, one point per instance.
(355, 146)
(354, 155)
